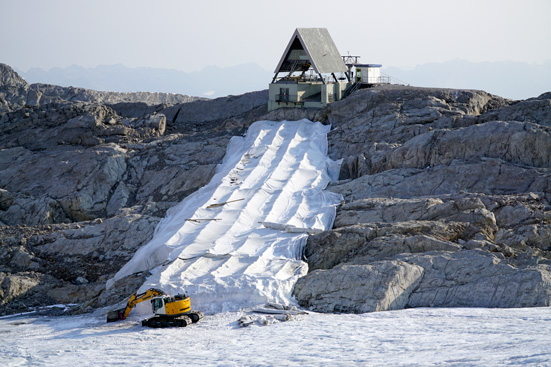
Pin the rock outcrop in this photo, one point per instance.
(447, 193)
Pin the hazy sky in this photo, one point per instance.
(188, 35)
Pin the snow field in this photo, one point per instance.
(412, 337)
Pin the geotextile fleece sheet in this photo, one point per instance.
(238, 241)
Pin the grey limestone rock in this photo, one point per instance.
(77, 180)
(478, 278)
(13, 89)
(454, 182)
(486, 176)
(447, 193)
(350, 288)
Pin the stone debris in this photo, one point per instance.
(269, 314)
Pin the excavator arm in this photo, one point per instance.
(122, 313)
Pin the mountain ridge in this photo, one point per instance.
(509, 79)
(16, 92)
(212, 81)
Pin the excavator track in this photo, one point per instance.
(195, 316)
(179, 321)
(162, 322)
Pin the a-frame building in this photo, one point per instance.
(314, 72)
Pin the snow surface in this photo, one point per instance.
(413, 337)
(248, 250)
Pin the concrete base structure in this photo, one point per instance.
(295, 94)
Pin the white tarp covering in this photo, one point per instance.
(237, 241)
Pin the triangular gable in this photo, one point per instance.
(313, 45)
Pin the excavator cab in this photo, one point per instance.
(157, 304)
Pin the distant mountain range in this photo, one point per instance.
(211, 82)
(514, 80)
(507, 79)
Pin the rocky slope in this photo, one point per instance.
(83, 185)
(447, 203)
(447, 194)
(15, 93)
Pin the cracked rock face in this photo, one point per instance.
(348, 288)
(455, 184)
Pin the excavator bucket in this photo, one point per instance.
(122, 313)
(115, 315)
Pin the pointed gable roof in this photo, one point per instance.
(313, 45)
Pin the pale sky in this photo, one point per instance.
(188, 35)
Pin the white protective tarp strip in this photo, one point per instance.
(247, 251)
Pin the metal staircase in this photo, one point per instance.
(351, 89)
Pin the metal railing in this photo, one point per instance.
(378, 80)
(384, 79)
(282, 98)
(285, 98)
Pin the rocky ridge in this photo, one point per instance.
(447, 203)
(446, 195)
(15, 93)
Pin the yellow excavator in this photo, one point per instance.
(169, 311)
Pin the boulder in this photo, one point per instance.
(378, 286)
(477, 278)
(13, 89)
(79, 182)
